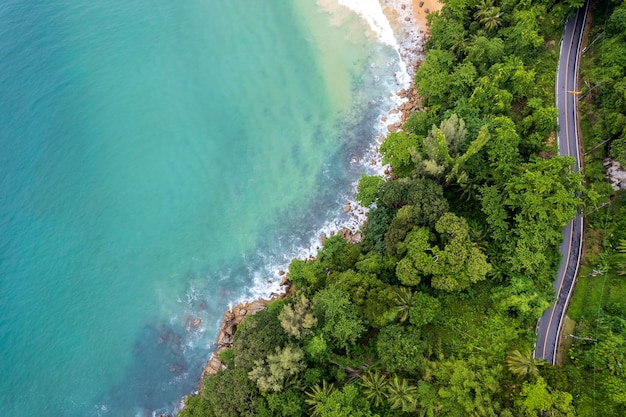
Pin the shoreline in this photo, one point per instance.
(408, 20)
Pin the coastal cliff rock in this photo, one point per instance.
(232, 319)
(413, 103)
(225, 337)
(350, 236)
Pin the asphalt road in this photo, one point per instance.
(549, 326)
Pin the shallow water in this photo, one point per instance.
(159, 162)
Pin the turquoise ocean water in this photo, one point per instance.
(159, 161)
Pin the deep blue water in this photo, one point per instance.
(158, 161)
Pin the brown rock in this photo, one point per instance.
(421, 3)
(214, 364)
(229, 316)
(193, 322)
(256, 306)
(176, 369)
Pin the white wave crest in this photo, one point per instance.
(372, 12)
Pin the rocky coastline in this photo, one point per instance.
(411, 102)
(232, 319)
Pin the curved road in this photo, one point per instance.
(549, 326)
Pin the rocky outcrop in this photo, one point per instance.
(350, 236)
(232, 319)
(615, 174)
(225, 337)
(413, 104)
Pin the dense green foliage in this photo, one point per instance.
(434, 312)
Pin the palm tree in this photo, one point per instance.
(523, 364)
(478, 235)
(317, 395)
(621, 246)
(401, 395)
(458, 44)
(375, 387)
(403, 301)
(488, 15)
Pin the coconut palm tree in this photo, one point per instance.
(317, 395)
(403, 301)
(478, 235)
(621, 246)
(524, 364)
(375, 387)
(488, 15)
(401, 395)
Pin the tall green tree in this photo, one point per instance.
(401, 348)
(256, 338)
(338, 318)
(537, 399)
(232, 394)
(396, 151)
(271, 374)
(296, 318)
(469, 387)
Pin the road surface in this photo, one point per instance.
(549, 326)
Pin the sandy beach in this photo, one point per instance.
(408, 21)
(427, 6)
